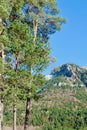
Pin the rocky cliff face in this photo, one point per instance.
(73, 74)
(67, 75)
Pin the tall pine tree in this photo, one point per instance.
(18, 34)
(4, 13)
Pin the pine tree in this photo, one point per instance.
(4, 13)
(36, 59)
(42, 17)
(28, 58)
(18, 34)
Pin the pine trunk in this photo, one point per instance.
(1, 85)
(14, 101)
(26, 123)
(0, 120)
(35, 27)
(14, 117)
(1, 114)
(28, 102)
(0, 124)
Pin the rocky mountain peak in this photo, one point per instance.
(73, 73)
(69, 70)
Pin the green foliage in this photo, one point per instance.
(4, 9)
(59, 118)
(81, 94)
(8, 118)
(17, 6)
(19, 34)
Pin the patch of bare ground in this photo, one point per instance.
(21, 128)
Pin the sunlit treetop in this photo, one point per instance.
(4, 9)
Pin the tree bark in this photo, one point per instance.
(1, 86)
(4, 26)
(0, 116)
(28, 102)
(14, 100)
(1, 113)
(26, 123)
(35, 27)
(14, 116)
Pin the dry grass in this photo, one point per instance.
(20, 128)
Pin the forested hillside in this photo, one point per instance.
(63, 108)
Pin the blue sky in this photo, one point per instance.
(70, 44)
